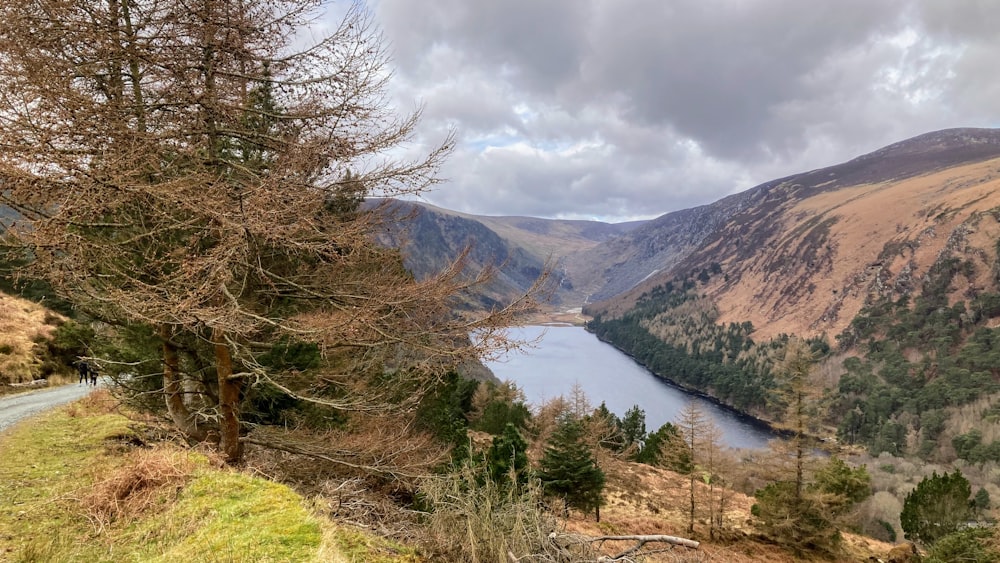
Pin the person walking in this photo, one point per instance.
(84, 368)
(93, 375)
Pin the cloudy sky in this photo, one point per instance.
(628, 109)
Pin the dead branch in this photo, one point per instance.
(642, 540)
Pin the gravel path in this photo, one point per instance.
(16, 407)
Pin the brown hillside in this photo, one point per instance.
(22, 323)
(834, 249)
(805, 253)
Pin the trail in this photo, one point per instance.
(16, 407)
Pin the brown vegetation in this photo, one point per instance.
(22, 325)
(148, 478)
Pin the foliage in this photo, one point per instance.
(568, 469)
(662, 333)
(976, 544)
(981, 502)
(633, 427)
(613, 438)
(938, 506)
(809, 519)
(444, 412)
(666, 447)
(507, 458)
(805, 511)
(921, 357)
(838, 478)
(207, 167)
(70, 341)
(802, 522)
(494, 406)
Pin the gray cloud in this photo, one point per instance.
(633, 108)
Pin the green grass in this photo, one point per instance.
(50, 464)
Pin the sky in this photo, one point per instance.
(618, 110)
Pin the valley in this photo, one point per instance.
(885, 270)
(804, 256)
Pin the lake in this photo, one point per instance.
(567, 355)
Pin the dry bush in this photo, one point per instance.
(148, 477)
(473, 519)
(364, 474)
(371, 446)
(96, 403)
(881, 507)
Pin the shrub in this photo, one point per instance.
(968, 544)
(471, 517)
(936, 508)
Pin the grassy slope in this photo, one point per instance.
(73, 489)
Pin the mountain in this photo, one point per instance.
(430, 238)
(888, 265)
(803, 254)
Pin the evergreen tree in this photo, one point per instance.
(981, 501)
(634, 426)
(665, 447)
(936, 508)
(568, 469)
(507, 458)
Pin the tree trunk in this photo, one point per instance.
(229, 399)
(173, 391)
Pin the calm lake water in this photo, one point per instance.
(567, 355)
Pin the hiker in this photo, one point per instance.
(93, 375)
(84, 369)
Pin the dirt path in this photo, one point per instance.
(17, 407)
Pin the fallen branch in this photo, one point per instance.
(392, 472)
(643, 540)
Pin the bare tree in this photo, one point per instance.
(195, 166)
(693, 426)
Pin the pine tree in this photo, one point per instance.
(507, 458)
(634, 426)
(936, 507)
(569, 471)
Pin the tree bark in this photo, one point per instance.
(173, 391)
(229, 399)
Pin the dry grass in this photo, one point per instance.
(22, 323)
(149, 479)
(647, 500)
(97, 402)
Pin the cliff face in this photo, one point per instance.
(803, 254)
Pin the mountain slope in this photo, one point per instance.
(430, 238)
(803, 254)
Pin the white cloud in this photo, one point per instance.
(633, 108)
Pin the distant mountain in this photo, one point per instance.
(430, 238)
